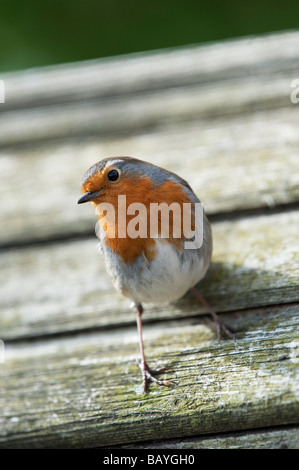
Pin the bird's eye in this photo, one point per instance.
(113, 175)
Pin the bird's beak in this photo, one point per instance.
(89, 196)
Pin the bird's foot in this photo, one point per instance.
(148, 375)
(222, 329)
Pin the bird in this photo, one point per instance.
(148, 258)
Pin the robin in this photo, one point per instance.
(149, 259)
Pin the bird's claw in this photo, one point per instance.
(223, 330)
(148, 375)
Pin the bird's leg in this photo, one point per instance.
(221, 328)
(147, 373)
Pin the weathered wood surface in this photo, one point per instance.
(240, 163)
(86, 391)
(219, 115)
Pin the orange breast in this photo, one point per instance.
(142, 190)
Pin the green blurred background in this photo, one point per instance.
(45, 32)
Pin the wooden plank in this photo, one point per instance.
(139, 92)
(64, 287)
(85, 391)
(277, 438)
(266, 55)
(236, 164)
(119, 116)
